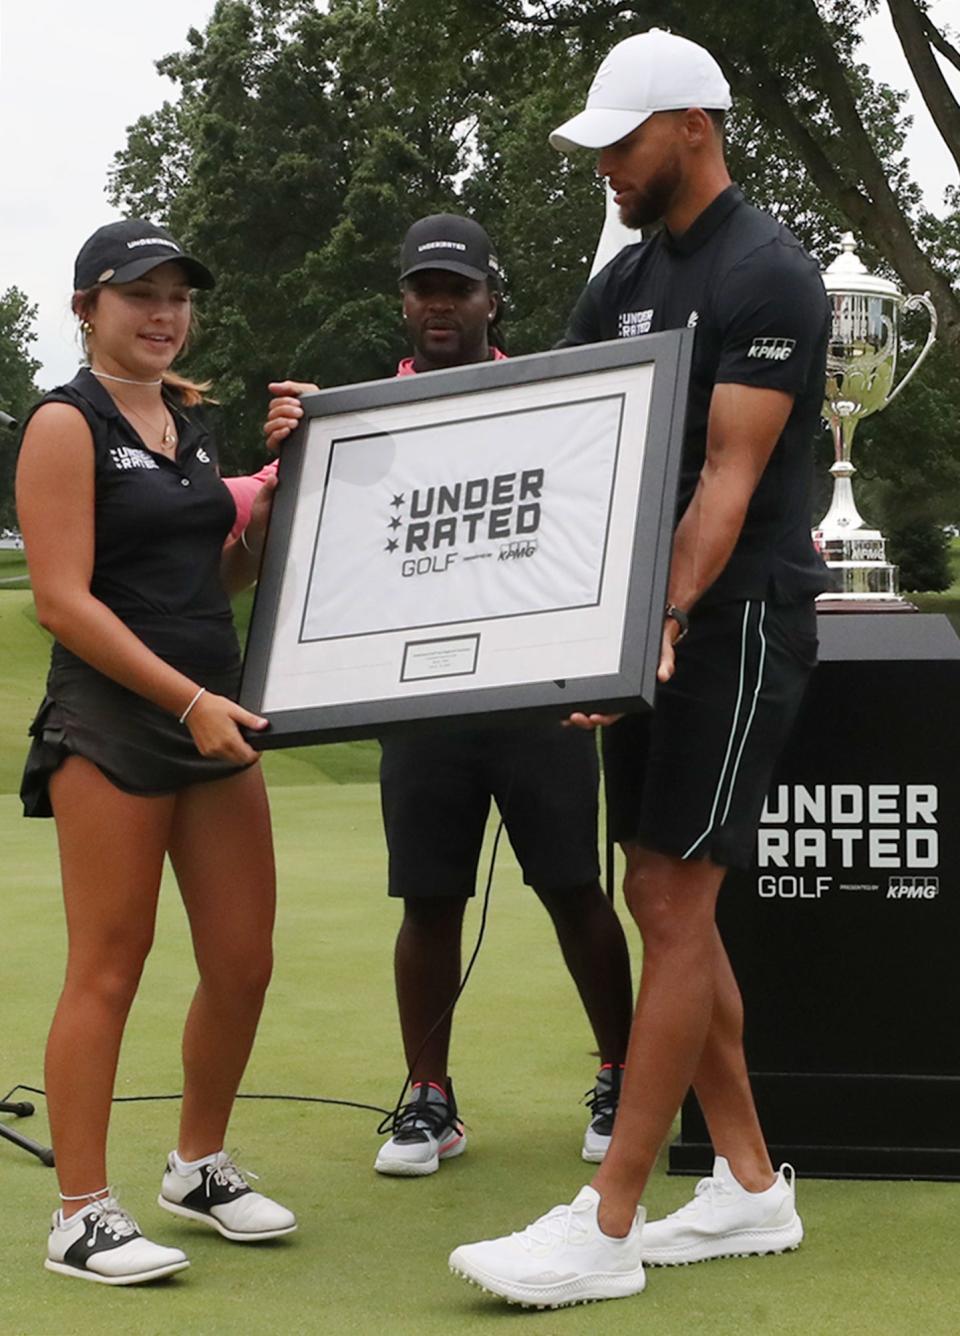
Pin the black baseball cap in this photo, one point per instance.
(449, 241)
(121, 252)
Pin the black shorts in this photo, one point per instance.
(140, 748)
(690, 778)
(435, 790)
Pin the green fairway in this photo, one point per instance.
(370, 1257)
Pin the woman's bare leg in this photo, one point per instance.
(111, 858)
(222, 853)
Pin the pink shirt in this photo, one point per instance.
(244, 490)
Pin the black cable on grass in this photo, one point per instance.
(389, 1114)
(152, 1099)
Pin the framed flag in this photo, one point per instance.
(480, 542)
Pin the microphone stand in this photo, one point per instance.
(22, 1109)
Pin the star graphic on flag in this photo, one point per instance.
(391, 545)
(398, 500)
(396, 522)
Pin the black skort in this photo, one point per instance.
(140, 748)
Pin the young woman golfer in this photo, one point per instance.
(138, 750)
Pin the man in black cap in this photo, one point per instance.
(686, 783)
(436, 789)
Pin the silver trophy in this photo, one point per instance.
(861, 365)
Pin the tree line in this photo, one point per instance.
(301, 144)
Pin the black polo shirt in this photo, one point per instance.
(160, 526)
(758, 304)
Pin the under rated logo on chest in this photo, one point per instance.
(634, 322)
(128, 457)
(772, 350)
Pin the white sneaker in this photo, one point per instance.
(103, 1243)
(217, 1194)
(562, 1258)
(425, 1131)
(724, 1220)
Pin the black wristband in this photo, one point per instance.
(680, 617)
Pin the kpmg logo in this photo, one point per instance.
(431, 528)
(773, 350)
(913, 888)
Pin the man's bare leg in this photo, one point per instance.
(687, 1026)
(427, 969)
(723, 1086)
(673, 904)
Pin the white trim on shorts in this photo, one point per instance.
(712, 821)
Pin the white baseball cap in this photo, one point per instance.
(649, 72)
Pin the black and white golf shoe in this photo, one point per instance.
(218, 1195)
(103, 1243)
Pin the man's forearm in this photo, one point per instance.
(706, 536)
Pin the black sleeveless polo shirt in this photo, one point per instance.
(160, 526)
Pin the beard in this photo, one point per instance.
(647, 206)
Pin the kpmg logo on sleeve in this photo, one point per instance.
(432, 528)
(772, 350)
(881, 840)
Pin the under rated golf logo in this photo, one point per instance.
(431, 528)
(634, 322)
(129, 457)
(846, 838)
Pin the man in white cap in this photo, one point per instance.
(686, 783)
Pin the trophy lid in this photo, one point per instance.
(848, 273)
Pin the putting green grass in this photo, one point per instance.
(370, 1257)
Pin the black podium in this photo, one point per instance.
(845, 934)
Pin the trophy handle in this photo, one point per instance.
(914, 303)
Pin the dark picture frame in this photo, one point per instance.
(322, 673)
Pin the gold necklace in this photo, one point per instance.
(168, 440)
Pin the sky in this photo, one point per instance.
(75, 73)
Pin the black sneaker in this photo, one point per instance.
(602, 1102)
(103, 1243)
(217, 1194)
(425, 1131)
